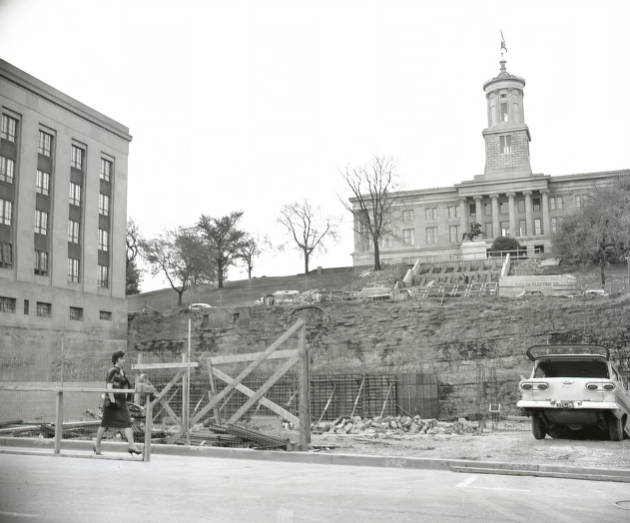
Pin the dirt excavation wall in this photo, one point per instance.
(476, 348)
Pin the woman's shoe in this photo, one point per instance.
(97, 452)
(134, 451)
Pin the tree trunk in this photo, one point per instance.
(249, 272)
(602, 267)
(179, 296)
(220, 274)
(305, 263)
(377, 255)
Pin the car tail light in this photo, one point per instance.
(543, 386)
(591, 386)
(609, 386)
(526, 386)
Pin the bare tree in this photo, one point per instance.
(249, 250)
(307, 227)
(182, 257)
(131, 268)
(224, 239)
(372, 187)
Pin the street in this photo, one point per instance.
(45, 488)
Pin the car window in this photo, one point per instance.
(571, 369)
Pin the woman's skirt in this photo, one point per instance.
(116, 417)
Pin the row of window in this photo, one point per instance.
(74, 276)
(44, 309)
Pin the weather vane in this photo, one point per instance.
(503, 46)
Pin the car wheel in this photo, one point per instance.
(615, 428)
(538, 427)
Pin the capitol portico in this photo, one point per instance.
(506, 200)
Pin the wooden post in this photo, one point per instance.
(386, 398)
(305, 396)
(356, 400)
(186, 390)
(148, 428)
(137, 397)
(59, 421)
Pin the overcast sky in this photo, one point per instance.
(249, 105)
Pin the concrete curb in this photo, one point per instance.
(20, 446)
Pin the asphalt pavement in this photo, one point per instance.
(78, 488)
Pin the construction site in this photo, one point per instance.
(373, 367)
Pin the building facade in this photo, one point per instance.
(63, 213)
(506, 200)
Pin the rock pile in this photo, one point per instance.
(389, 426)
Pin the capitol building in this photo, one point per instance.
(508, 199)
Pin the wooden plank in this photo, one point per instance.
(328, 404)
(305, 393)
(171, 365)
(262, 390)
(389, 390)
(252, 366)
(274, 407)
(59, 422)
(249, 356)
(213, 391)
(356, 400)
(57, 388)
(168, 386)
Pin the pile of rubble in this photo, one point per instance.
(389, 426)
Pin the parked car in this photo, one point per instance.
(573, 387)
(199, 307)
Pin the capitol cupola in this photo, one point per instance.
(507, 136)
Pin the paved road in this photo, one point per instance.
(45, 488)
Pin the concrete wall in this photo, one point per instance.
(461, 341)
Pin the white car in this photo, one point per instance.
(573, 387)
(199, 307)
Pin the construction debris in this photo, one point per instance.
(394, 425)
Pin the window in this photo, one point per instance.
(559, 204)
(430, 214)
(554, 224)
(487, 209)
(73, 270)
(103, 276)
(487, 228)
(522, 229)
(472, 211)
(42, 182)
(106, 170)
(555, 202)
(537, 227)
(41, 221)
(6, 169)
(453, 211)
(73, 231)
(536, 204)
(105, 315)
(506, 144)
(76, 313)
(409, 237)
(103, 204)
(408, 215)
(5, 211)
(431, 235)
(505, 228)
(504, 208)
(504, 111)
(76, 160)
(7, 129)
(26, 304)
(41, 263)
(45, 141)
(75, 194)
(453, 233)
(103, 239)
(521, 206)
(6, 255)
(43, 310)
(7, 304)
(579, 202)
(387, 241)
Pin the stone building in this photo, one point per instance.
(508, 199)
(63, 213)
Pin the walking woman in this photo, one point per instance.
(115, 411)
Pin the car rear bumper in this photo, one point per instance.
(577, 405)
